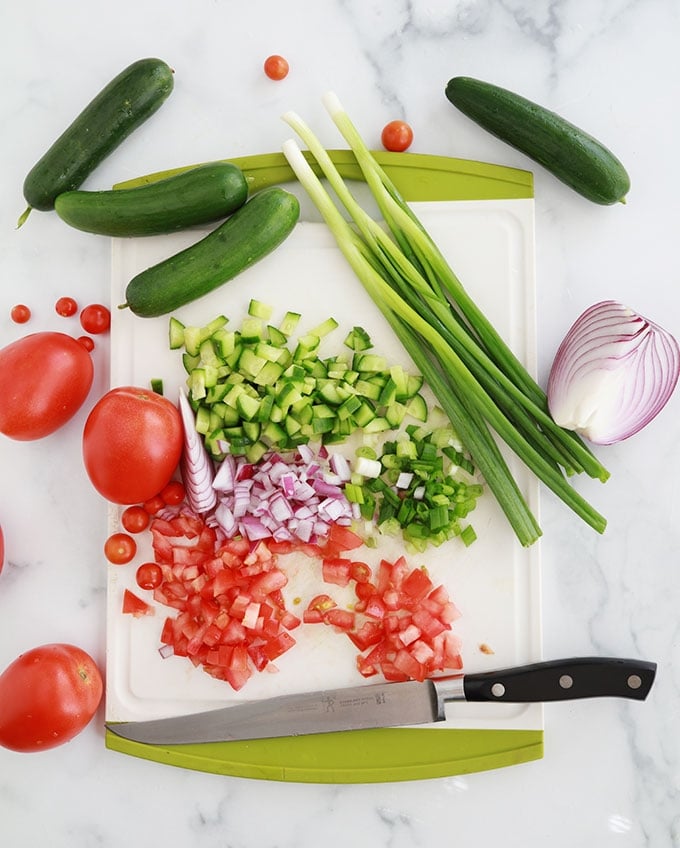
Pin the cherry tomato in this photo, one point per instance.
(95, 318)
(135, 519)
(132, 443)
(397, 136)
(47, 696)
(120, 548)
(276, 67)
(173, 494)
(20, 314)
(44, 380)
(2, 549)
(154, 505)
(86, 342)
(66, 307)
(149, 575)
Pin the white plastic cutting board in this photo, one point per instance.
(495, 583)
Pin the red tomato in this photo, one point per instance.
(47, 696)
(276, 67)
(20, 314)
(397, 136)
(120, 548)
(2, 549)
(149, 575)
(132, 443)
(173, 494)
(95, 318)
(44, 380)
(135, 519)
(154, 505)
(66, 307)
(87, 343)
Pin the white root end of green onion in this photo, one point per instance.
(332, 103)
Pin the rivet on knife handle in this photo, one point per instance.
(558, 680)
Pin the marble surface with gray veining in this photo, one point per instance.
(610, 776)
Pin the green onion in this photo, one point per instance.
(478, 382)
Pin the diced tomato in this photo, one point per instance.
(133, 605)
(342, 619)
(368, 634)
(276, 647)
(341, 538)
(336, 570)
(232, 618)
(417, 584)
(360, 572)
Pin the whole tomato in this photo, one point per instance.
(44, 380)
(47, 696)
(132, 443)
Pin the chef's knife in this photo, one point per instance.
(398, 704)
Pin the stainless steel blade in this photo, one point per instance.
(358, 707)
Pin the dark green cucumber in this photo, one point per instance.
(198, 196)
(569, 153)
(119, 108)
(252, 232)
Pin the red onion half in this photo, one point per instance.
(613, 373)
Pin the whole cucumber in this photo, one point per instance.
(198, 196)
(119, 108)
(570, 154)
(252, 232)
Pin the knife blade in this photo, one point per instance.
(397, 704)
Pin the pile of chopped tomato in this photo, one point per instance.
(401, 621)
(232, 619)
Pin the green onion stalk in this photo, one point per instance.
(478, 381)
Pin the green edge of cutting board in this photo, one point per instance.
(362, 756)
(390, 754)
(417, 176)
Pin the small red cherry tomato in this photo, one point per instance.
(173, 494)
(66, 307)
(154, 505)
(20, 313)
(397, 136)
(276, 67)
(95, 318)
(135, 519)
(86, 342)
(149, 575)
(120, 548)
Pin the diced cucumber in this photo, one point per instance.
(176, 333)
(289, 323)
(417, 407)
(257, 309)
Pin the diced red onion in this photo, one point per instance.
(340, 467)
(282, 499)
(613, 373)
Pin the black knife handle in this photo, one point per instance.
(563, 680)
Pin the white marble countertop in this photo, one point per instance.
(611, 771)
